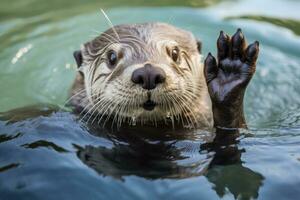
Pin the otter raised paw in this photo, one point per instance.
(228, 78)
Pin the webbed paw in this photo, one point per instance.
(228, 77)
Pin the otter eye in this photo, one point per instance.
(175, 54)
(112, 57)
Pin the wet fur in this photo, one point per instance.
(102, 93)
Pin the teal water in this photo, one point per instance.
(50, 154)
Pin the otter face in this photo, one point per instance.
(143, 73)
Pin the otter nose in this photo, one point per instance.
(148, 76)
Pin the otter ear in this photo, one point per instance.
(78, 57)
(199, 46)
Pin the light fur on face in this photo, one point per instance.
(112, 95)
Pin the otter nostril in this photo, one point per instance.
(157, 76)
(138, 77)
(148, 76)
(160, 78)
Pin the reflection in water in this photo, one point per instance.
(44, 143)
(144, 152)
(151, 153)
(5, 137)
(162, 155)
(240, 181)
(7, 167)
(227, 172)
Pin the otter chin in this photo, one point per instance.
(143, 73)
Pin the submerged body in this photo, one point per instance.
(152, 73)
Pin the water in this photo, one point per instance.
(50, 154)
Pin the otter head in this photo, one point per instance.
(143, 73)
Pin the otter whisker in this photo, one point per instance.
(110, 23)
(73, 96)
(203, 116)
(115, 110)
(87, 106)
(95, 108)
(102, 111)
(86, 111)
(171, 108)
(181, 110)
(111, 112)
(182, 106)
(117, 116)
(178, 108)
(187, 102)
(124, 109)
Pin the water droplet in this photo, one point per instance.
(168, 115)
(133, 120)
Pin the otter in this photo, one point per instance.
(152, 73)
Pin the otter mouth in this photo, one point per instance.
(149, 105)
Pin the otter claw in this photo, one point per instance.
(238, 45)
(252, 53)
(210, 68)
(223, 45)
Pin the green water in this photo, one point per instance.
(52, 155)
